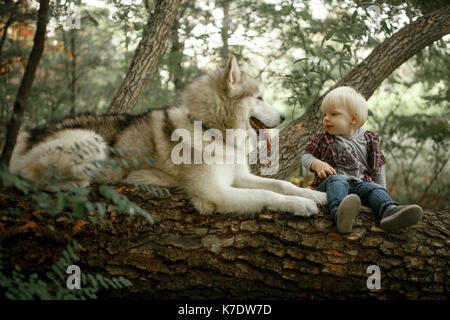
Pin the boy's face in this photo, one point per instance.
(338, 121)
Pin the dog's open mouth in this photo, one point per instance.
(258, 125)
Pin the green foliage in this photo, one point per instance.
(53, 285)
(416, 144)
(415, 129)
(331, 48)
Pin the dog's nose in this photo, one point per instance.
(282, 117)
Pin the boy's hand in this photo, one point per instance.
(322, 169)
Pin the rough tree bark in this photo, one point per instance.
(146, 56)
(176, 50)
(365, 78)
(27, 80)
(271, 256)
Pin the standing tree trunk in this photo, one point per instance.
(365, 78)
(146, 56)
(27, 80)
(176, 51)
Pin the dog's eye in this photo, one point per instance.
(260, 98)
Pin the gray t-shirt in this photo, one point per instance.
(351, 158)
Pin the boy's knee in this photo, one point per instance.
(333, 181)
(337, 178)
(370, 186)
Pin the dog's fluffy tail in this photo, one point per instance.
(73, 153)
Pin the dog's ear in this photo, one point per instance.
(232, 73)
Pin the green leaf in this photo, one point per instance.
(354, 15)
(125, 281)
(329, 35)
(94, 220)
(106, 191)
(102, 281)
(100, 209)
(90, 293)
(111, 283)
(61, 202)
(299, 60)
(78, 210)
(125, 163)
(89, 206)
(137, 163)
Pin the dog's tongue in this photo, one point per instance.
(266, 132)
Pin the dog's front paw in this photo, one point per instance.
(203, 207)
(306, 208)
(319, 197)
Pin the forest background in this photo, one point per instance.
(298, 49)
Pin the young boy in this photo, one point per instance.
(349, 165)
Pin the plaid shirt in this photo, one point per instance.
(323, 148)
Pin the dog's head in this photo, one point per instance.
(229, 98)
(249, 94)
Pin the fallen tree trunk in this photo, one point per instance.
(185, 255)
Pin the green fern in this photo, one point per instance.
(19, 286)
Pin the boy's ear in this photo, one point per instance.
(232, 73)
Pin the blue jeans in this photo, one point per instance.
(371, 194)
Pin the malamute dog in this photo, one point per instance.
(221, 99)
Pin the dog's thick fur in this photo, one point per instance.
(222, 99)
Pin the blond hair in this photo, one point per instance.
(348, 98)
